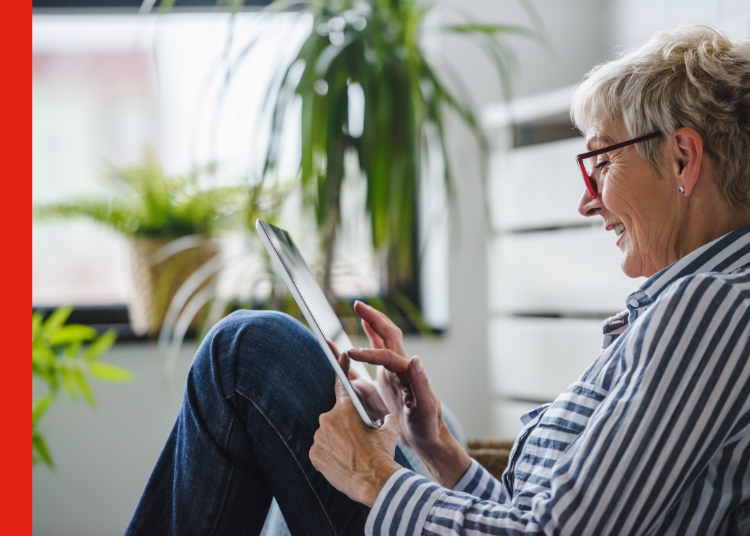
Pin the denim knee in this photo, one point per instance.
(257, 322)
(253, 341)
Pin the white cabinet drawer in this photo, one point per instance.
(538, 358)
(566, 271)
(536, 186)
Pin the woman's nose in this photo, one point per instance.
(588, 206)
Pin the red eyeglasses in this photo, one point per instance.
(588, 164)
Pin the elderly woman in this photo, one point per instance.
(654, 438)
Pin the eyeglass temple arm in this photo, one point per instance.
(583, 156)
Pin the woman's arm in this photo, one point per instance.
(681, 398)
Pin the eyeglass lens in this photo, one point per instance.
(589, 166)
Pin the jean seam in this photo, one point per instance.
(223, 499)
(226, 435)
(229, 478)
(291, 451)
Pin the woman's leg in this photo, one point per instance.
(255, 391)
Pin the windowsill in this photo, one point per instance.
(115, 317)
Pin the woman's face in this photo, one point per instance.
(635, 204)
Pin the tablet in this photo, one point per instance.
(309, 296)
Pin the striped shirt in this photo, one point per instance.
(654, 438)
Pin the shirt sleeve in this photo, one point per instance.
(477, 481)
(680, 395)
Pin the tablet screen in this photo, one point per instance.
(317, 311)
(320, 316)
(308, 287)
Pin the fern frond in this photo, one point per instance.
(117, 216)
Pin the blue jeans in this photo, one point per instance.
(255, 391)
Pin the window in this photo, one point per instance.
(107, 85)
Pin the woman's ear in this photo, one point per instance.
(686, 157)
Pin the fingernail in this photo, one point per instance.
(417, 364)
(354, 351)
(357, 301)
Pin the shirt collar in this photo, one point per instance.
(725, 254)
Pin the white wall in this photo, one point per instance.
(575, 33)
(634, 21)
(104, 456)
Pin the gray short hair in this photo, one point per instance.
(692, 76)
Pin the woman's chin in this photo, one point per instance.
(629, 265)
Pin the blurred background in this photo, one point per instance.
(428, 173)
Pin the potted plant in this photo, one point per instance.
(61, 362)
(170, 222)
(372, 51)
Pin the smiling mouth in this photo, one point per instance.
(618, 229)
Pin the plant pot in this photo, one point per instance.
(156, 280)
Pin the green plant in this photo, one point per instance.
(265, 203)
(155, 205)
(61, 360)
(370, 50)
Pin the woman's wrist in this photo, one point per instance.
(375, 480)
(446, 460)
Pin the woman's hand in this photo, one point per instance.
(407, 394)
(356, 459)
(403, 384)
(364, 388)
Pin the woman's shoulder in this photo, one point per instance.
(699, 316)
(705, 289)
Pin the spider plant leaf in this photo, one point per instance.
(235, 6)
(100, 346)
(84, 387)
(445, 97)
(56, 320)
(39, 407)
(72, 333)
(42, 358)
(73, 348)
(39, 446)
(183, 294)
(110, 373)
(285, 5)
(36, 327)
(503, 60)
(488, 29)
(192, 308)
(280, 79)
(328, 55)
(166, 6)
(539, 26)
(414, 314)
(68, 381)
(377, 302)
(282, 91)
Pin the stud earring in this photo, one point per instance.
(681, 189)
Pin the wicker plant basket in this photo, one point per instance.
(492, 455)
(156, 283)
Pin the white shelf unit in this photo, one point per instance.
(553, 274)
